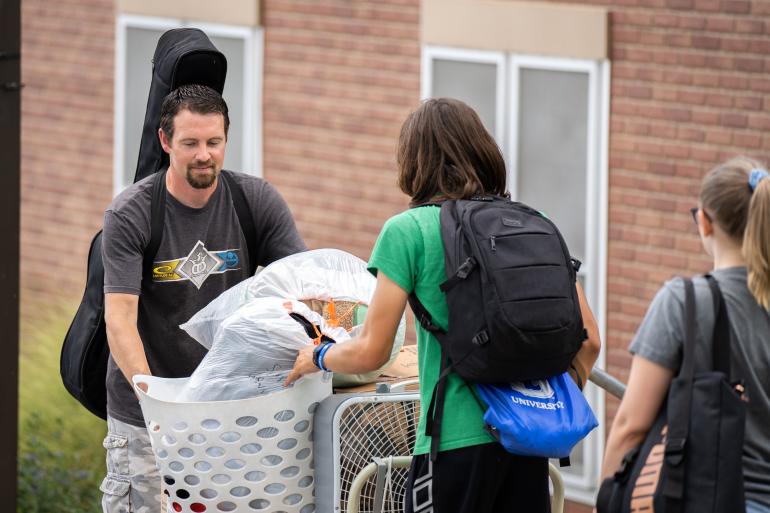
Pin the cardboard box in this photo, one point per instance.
(404, 368)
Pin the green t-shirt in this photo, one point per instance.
(410, 252)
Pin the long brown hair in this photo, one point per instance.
(744, 215)
(444, 151)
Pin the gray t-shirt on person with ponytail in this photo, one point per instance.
(661, 336)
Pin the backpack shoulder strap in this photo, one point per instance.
(422, 316)
(435, 412)
(721, 338)
(679, 410)
(157, 218)
(245, 218)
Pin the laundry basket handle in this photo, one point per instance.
(140, 379)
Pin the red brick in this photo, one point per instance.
(721, 137)
(736, 6)
(680, 4)
(753, 65)
(720, 24)
(731, 81)
(704, 155)
(760, 8)
(759, 84)
(674, 76)
(692, 134)
(759, 121)
(708, 5)
(663, 130)
(706, 117)
(665, 20)
(750, 141)
(736, 45)
(748, 102)
(734, 120)
(749, 26)
(718, 100)
(706, 42)
(706, 80)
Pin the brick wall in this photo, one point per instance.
(67, 110)
(339, 79)
(689, 90)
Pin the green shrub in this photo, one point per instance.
(61, 460)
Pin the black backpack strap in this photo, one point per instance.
(721, 338)
(245, 218)
(679, 414)
(435, 412)
(157, 218)
(422, 316)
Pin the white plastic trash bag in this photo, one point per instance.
(325, 274)
(203, 326)
(260, 337)
(320, 276)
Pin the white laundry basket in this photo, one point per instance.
(246, 455)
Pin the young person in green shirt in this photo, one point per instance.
(444, 152)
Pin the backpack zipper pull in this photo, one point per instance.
(492, 243)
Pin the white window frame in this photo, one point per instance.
(578, 487)
(430, 53)
(253, 39)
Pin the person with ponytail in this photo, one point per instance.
(733, 219)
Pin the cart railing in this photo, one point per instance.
(381, 468)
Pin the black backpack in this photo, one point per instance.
(691, 461)
(514, 313)
(183, 56)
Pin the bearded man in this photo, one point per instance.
(203, 252)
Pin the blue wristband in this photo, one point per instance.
(321, 355)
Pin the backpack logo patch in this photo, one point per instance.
(513, 223)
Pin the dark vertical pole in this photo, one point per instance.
(10, 138)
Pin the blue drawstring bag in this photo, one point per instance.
(543, 418)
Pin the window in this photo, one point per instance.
(137, 37)
(549, 117)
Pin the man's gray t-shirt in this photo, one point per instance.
(203, 252)
(660, 339)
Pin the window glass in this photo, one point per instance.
(552, 146)
(474, 83)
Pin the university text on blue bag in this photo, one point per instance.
(545, 417)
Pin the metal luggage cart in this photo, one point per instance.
(363, 444)
(362, 451)
(353, 430)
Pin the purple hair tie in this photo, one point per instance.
(756, 176)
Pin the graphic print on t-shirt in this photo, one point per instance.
(197, 266)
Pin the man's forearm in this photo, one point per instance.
(123, 336)
(127, 351)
